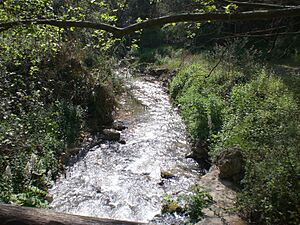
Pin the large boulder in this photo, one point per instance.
(231, 164)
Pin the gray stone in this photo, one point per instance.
(157, 72)
(123, 142)
(224, 200)
(166, 174)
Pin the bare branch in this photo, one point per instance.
(258, 35)
(218, 63)
(259, 5)
(198, 17)
(187, 17)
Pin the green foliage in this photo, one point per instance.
(198, 200)
(30, 147)
(53, 86)
(251, 108)
(191, 203)
(42, 113)
(258, 121)
(201, 109)
(151, 38)
(202, 114)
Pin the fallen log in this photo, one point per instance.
(16, 215)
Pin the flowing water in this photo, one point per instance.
(123, 181)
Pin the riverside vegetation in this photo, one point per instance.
(245, 105)
(43, 114)
(57, 86)
(54, 91)
(191, 204)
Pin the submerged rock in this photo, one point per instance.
(119, 125)
(123, 142)
(166, 175)
(111, 135)
(49, 198)
(171, 207)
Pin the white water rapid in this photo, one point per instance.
(123, 181)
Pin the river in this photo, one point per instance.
(123, 181)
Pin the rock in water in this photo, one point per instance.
(166, 175)
(111, 135)
(119, 125)
(200, 155)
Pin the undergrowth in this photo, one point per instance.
(44, 112)
(190, 204)
(241, 104)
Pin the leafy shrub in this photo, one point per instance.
(196, 202)
(42, 113)
(200, 108)
(252, 109)
(202, 114)
(258, 120)
(55, 82)
(191, 204)
(30, 150)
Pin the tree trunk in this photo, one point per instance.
(16, 215)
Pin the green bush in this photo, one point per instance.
(202, 114)
(191, 203)
(42, 114)
(200, 107)
(30, 148)
(243, 105)
(258, 121)
(198, 200)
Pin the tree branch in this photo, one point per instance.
(259, 5)
(187, 17)
(63, 24)
(258, 35)
(218, 63)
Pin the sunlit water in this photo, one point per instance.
(123, 181)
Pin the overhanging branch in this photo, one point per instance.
(259, 5)
(62, 24)
(249, 35)
(187, 17)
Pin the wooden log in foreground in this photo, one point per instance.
(16, 215)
